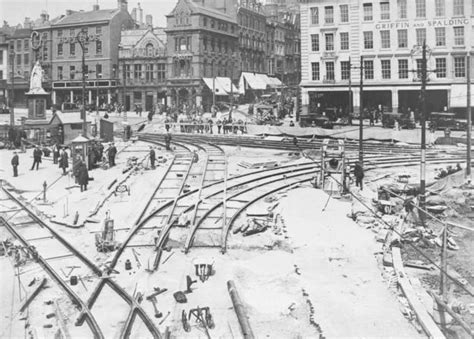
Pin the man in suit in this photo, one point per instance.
(36, 157)
(15, 163)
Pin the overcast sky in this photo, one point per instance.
(15, 11)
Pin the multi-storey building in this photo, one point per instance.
(252, 36)
(335, 34)
(202, 42)
(3, 67)
(142, 68)
(103, 29)
(19, 44)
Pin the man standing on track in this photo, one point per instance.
(15, 163)
(112, 154)
(168, 141)
(359, 174)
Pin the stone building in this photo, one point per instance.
(142, 68)
(103, 28)
(4, 67)
(388, 35)
(202, 42)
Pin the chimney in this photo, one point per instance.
(95, 7)
(69, 11)
(140, 14)
(27, 23)
(122, 5)
(44, 16)
(134, 15)
(149, 20)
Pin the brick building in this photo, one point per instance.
(142, 68)
(202, 42)
(388, 34)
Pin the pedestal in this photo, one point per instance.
(37, 105)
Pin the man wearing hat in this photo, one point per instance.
(15, 163)
(36, 157)
(112, 153)
(359, 174)
(152, 157)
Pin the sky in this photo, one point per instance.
(15, 11)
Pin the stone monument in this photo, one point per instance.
(36, 95)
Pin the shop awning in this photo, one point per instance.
(274, 82)
(458, 97)
(219, 89)
(227, 84)
(252, 80)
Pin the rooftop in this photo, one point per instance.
(86, 17)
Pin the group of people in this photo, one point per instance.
(199, 125)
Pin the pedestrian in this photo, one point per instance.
(168, 141)
(15, 163)
(56, 151)
(112, 153)
(64, 161)
(359, 174)
(36, 157)
(83, 176)
(152, 157)
(219, 126)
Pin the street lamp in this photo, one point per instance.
(12, 97)
(82, 39)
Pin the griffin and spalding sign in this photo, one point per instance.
(424, 23)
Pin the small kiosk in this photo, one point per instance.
(80, 151)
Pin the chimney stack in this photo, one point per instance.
(27, 23)
(69, 11)
(149, 20)
(95, 7)
(140, 14)
(134, 15)
(122, 5)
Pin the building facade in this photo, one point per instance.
(335, 34)
(142, 68)
(202, 42)
(103, 31)
(3, 68)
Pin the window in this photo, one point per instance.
(72, 49)
(386, 69)
(419, 68)
(385, 39)
(1, 75)
(98, 71)
(128, 72)
(329, 14)
(26, 45)
(440, 35)
(315, 71)
(98, 30)
(344, 9)
(1, 57)
(368, 40)
(60, 33)
(330, 70)
(18, 44)
(18, 59)
(314, 16)
(458, 7)
(402, 38)
(137, 74)
(149, 72)
(420, 36)
(402, 9)
(345, 70)
(441, 67)
(315, 42)
(368, 13)
(329, 41)
(86, 71)
(344, 41)
(368, 69)
(402, 68)
(459, 67)
(440, 7)
(459, 36)
(420, 6)
(72, 72)
(385, 10)
(98, 47)
(26, 59)
(161, 72)
(60, 49)
(60, 72)
(204, 22)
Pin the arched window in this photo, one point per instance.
(149, 49)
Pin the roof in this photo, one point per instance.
(90, 16)
(21, 33)
(131, 37)
(69, 118)
(196, 8)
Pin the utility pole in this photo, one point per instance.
(469, 123)
(213, 89)
(361, 112)
(82, 40)
(12, 97)
(423, 133)
(231, 91)
(349, 107)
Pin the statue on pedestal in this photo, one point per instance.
(36, 80)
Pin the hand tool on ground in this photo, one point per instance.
(189, 283)
(203, 317)
(158, 291)
(164, 318)
(135, 254)
(171, 254)
(158, 314)
(82, 282)
(184, 321)
(72, 269)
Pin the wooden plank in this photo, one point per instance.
(33, 295)
(425, 320)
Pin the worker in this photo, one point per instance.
(152, 157)
(292, 124)
(56, 149)
(15, 163)
(112, 153)
(168, 141)
(359, 174)
(64, 161)
(36, 157)
(82, 176)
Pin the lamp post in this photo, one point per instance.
(469, 123)
(12, 97)
(82, 39)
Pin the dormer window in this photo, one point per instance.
(149, 49)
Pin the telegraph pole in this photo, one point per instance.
(361, 112)
(12, 97)
(349, 107)
(423, 133)
(82, 40)
(469, 123)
